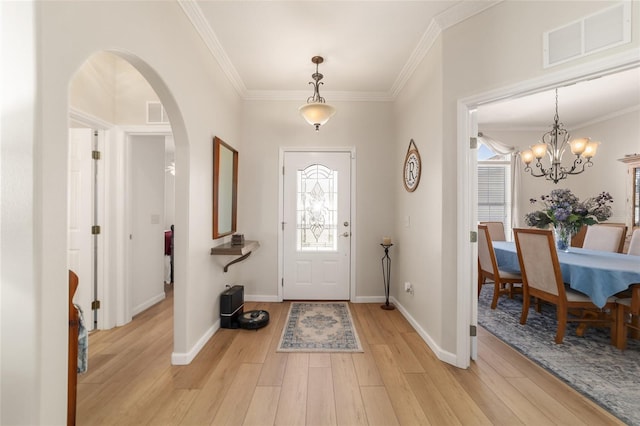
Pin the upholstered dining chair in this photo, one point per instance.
(504, 281)
(628, 316)
(634, 245)
(605, 237)
(577, 240)
(542, 279)
(496, 230)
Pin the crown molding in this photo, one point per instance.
(463, 10)
(83, 118)
(195, 15)
(452, 16)
(424, 45)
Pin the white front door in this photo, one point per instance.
(317, 225)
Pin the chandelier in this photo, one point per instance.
(554, 143)
(316, 111)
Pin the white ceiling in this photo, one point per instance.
(579, 104)
(370, 49)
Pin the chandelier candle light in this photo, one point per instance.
(316, 111)
(554, 143)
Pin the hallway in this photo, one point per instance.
(239, 378)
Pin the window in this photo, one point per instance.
(494, 188)
(317, 209)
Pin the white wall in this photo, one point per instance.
(499, 47)
(419, 215)
(147, 218)
(200, 102)
(169, 184)
(267, 126)
(495, 49)
(21, 339)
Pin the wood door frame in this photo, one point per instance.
(352, 247)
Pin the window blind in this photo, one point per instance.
(492, 193)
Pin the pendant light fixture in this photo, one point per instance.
(316, 111)
(554, 143)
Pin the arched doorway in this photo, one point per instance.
(117, 160)
(115, 139)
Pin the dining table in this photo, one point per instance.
(598, 274)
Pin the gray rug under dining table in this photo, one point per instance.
(589, 364)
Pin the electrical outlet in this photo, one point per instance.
(407, 287)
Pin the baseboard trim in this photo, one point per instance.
(185, 358)
(149, 303)
(260, 298)
(442, 355)
(369, 299)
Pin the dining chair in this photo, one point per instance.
(634, 245)
(496, 230)
(577, 240)
(628, 316)
(504, 281)
(605, 237)
(542, 279)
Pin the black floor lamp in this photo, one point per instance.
(386, 272)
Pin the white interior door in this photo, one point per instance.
(317, 225)
(80, 216)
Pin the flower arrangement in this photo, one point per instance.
(566, 213)
(562, 207)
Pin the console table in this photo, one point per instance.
(243, 250)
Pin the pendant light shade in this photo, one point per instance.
(316, 111)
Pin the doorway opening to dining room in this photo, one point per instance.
(467, 181)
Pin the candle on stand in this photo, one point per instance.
(386, 241)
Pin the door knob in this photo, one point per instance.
(345, 234)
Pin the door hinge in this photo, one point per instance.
(473, 331)
(282, 282)
(95, 305)
(283, 226)
(473, 237)
(95, 230)
(282, 170)
(473, 143)
(95, 155)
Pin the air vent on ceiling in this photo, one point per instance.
(602, 30)
(156, 113)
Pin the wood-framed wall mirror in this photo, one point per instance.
(225, 188)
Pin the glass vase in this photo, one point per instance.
(562, 235)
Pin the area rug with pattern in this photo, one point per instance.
(319, 327)
(589, 364)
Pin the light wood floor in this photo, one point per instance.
(239, 378)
